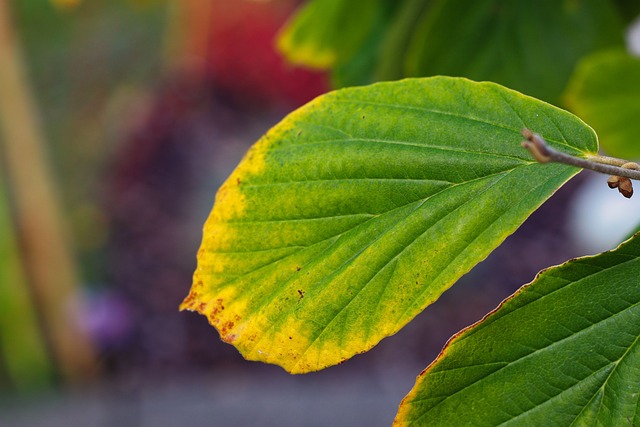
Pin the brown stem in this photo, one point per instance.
(607, 165)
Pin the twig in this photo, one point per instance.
(621, 171)
(608, 165)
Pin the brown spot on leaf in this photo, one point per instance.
(225, 332)
(298, 268)
(217, 308)
(301, 293)
(189, 300)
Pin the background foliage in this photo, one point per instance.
(533, 47)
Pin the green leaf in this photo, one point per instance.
(397, 38)
(605, 91)
(564, 350)
(629, 9)
(528, 46)
(358, 210)
(358, 69)
(326, 33)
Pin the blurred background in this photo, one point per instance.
(118, 122)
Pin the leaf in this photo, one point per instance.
(397, 39)
(358, 69)
(605, 91)
(629, 9)
(563, 351)
(358, 210)
(326, 33)
(528, 46)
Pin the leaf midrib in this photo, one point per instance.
(302, 144)
(373, 216)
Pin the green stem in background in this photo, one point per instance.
(22, 348)
(621, 171)
(48, 261)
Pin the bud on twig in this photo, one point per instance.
(613, 181)
(625, 187)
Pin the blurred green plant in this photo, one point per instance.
(64, 71)
(532, 47)
(46, 257)
(359, 209)
(90, 65)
